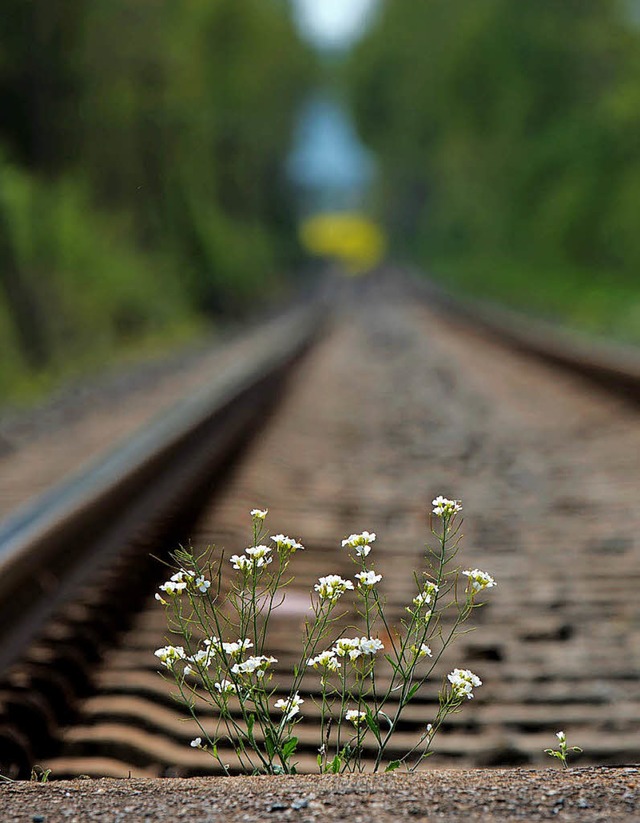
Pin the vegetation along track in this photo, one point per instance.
(398, 401)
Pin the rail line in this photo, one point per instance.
(400, 399)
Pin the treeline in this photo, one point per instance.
(141, 144)
(508, 135)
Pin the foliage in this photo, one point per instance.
(140, 159)
(365, 683)
(506, 132)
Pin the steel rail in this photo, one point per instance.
(56, 544)
(615, 367)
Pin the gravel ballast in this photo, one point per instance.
(584, 794)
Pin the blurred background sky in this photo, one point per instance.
(162, 162)
(331, 24)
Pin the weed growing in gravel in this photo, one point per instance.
(39, 774)
(562, 750)
(367, 674)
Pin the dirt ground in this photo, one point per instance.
(585, 794)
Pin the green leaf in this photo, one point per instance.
(412, 691)
(334, 766)
(371, 723)
(268, 742)
(289, 747)
(251, 719)
(393, 765)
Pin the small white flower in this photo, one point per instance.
(196, 743)
(443, 507)
(422, 651)
(202, 658)
(225, 687)
(289, 706)
(173, 587)
(214, 642)
(179, 576)
(463, 682)
(332, 587)
(425, 598)
(284, 542)
(259, 514)
(168, 655)
(160, 599)
(429, 728)
(325, 660)
(254, 665)
(368, 579)
(370, 645)
(346, 645)
(241, 562)
(259, 555)
(479, 580)
(354, 716)
(234, 649)
(562, 737)
(201, 584)
(360, 542)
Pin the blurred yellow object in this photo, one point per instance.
(356, 241)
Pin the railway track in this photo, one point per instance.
(396, 402)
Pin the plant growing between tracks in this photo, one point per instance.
(359, 709)
(563, 750)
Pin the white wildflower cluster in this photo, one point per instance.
(354, 716)
(201, 660)
(479, 580)
(236, 648)
(361, 543)
(181, 581)
(368, 579)
(463, 682)
(424, 598)
(325, 660)
(355, 647)
(332, 587)
(289, 706)
(255, 557)
(286, 543)
(443, 507)
(169, 655)
(213, 649)
(254, 665)
(351, 647)
(233, 649)
(238, 675)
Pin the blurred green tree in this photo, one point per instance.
(156, 128)
(508, 136)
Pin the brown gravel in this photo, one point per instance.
(586, 794)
